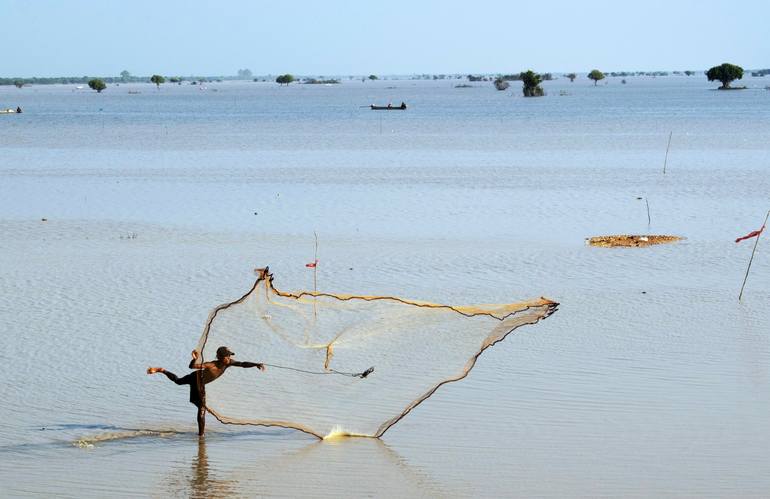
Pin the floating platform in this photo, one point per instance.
(630, 241)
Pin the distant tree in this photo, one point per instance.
(244, 74)
(125, 75)
(531, 82)
(18, 83)
(373, 77)
(725, 73)
(689, 73)
(97, 84)
(285, 79)
(596, 75)
(157, 80)
(501, 84)
(571, 77)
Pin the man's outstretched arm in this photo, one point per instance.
(258, 365)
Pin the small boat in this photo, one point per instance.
(389, 107)
(10, 111)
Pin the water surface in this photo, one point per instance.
(651, 379)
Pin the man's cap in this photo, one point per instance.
(224, 352)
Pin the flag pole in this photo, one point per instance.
(740, 295)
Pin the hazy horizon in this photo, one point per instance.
(340, 37)
(234, 75)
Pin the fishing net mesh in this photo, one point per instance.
(414, 348)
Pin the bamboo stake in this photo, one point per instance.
(667, 148)
(740, 295)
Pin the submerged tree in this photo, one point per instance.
(596, 75)
(125, 75)
(373, 77)
(571, 77)
(285, 79)
(157, 80)
(531, 82)
(97, 84)
(725, 73)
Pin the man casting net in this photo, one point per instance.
(348, 364)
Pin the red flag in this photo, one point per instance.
(750, 235)
(311, 265)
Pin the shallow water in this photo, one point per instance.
(651, 379)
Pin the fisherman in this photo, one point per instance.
(204, 373)
(18, 109)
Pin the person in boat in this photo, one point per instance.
(403, 105)
(18, 109)
(390, 105)
(204, 373)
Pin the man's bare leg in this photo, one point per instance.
(173, 377)
(201, 420)
(201, 409)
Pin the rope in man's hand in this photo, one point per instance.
(361, 375)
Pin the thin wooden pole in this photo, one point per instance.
(665, 161)
(740, 295)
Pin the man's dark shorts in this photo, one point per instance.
(197, 391)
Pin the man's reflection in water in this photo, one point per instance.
(203, 483)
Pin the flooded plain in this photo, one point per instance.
(650, 380)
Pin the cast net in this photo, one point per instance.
(319, 347)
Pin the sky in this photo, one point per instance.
(340, 37)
